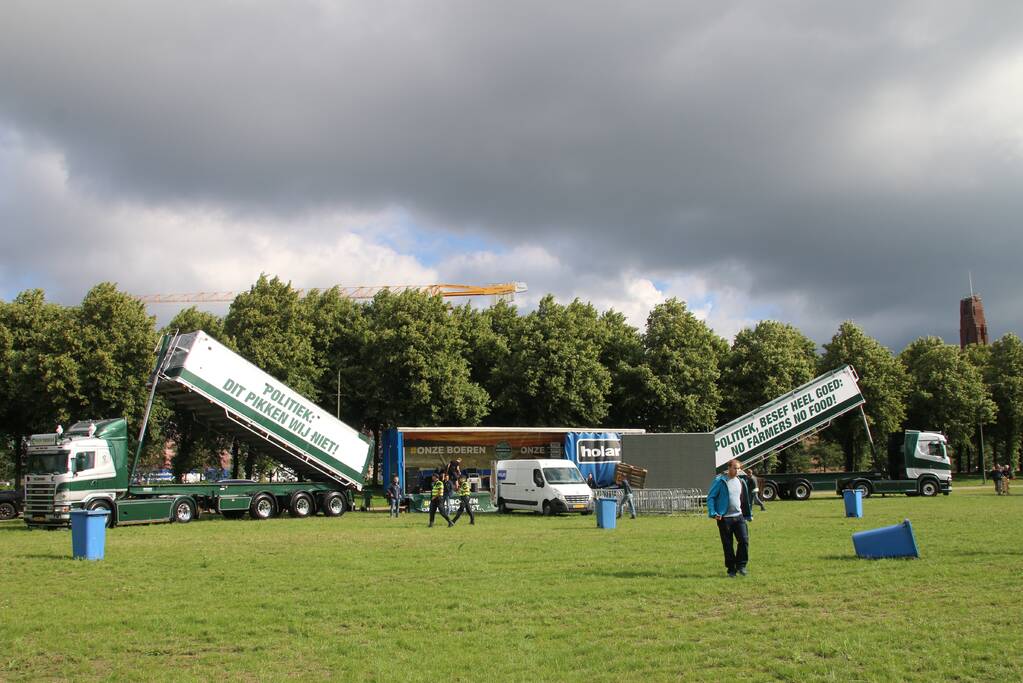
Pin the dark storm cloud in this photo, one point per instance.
(825, 151)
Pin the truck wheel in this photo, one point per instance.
(263, 506)
(103, 505)
(801, 490)
(929, 488)
(863, 487)
(8, 511)
(301, 505)
(769, 492)
(183, 511)
(333, 505)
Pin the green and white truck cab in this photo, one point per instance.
(918, 464)
(85, 467)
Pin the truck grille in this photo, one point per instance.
(577, 500)
(39, 498)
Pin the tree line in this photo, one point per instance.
(410, 359)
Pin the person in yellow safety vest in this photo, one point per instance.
(464, 500)
(437, 501)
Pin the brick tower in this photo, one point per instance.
(972, 325)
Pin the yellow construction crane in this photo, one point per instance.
(505, 290)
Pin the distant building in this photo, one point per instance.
(972, 325)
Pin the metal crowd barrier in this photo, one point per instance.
(660, 501)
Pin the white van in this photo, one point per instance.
(547, 486)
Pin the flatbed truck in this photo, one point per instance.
(88, 466)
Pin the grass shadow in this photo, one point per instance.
(632, 574)
(40, 556)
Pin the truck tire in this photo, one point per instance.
(929, 488)
(103, 504)
(801, 490)
(8, 511)
(263, 506)
(183, 511)
(301, 505)
(769, 492)
(333, 505)
(863, 486)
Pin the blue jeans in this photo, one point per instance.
(631, 503)
(395, 502)
(729, 528)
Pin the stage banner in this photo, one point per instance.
(595, 453)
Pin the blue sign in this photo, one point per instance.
(595, 453)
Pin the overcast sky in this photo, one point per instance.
(803, 161)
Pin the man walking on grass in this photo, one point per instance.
(465, 501)
(438, 501)
(729, 503)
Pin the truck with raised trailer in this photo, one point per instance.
(88, 466)
(918, 462)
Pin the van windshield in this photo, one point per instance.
(47, 463)
(562, 475)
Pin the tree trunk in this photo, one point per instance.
(250, 463)
(376, 454)
(235, 458)
(19, 461)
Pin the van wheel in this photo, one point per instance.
(929, 488)
(801, 490)
(548, 509)
(263, 506)
(769, 492)
(501, 507)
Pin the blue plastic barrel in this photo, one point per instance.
(889, 541)
(853, 503)
(88, 533)
(606, 509)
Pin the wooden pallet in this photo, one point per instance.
(635, 475)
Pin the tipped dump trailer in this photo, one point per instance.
(88, 468)
(787, 419)
(918, 462)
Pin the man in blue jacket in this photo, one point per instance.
(729, 503)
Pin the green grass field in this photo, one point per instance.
(523, 598)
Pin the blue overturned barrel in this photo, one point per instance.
(853, 502)
(606, 509)
(88, 534)
(889, 541)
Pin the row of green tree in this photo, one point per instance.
(413, 359)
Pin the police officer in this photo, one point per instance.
(464, 500)
(437, 501)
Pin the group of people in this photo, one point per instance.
(1002, 475)
(442, 489)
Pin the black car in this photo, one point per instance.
(11, 503)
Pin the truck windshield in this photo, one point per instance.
(562, 475)
(47, 463)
